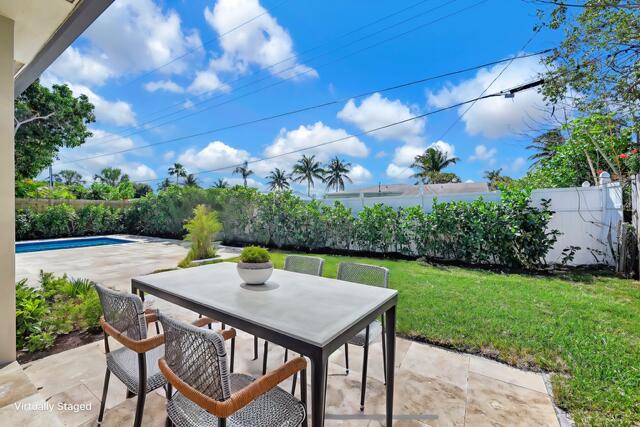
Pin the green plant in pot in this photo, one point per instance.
(255, 265)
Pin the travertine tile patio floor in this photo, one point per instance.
(434, 387)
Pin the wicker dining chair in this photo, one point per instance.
(374, 276)
(298, 264)
(207, 395)
(136, 363)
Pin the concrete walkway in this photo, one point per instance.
(434, 387)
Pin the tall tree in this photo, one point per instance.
(545, 145)
(597, 58)
(111, 176)
(336, 173)
(244, 171)
(430, 163)
(179, 171)
(221, 183)
(45, 121)
(495, 177)
(306, 170)
(141, 189)
(69, 177)
(191, 181)
(278, 180)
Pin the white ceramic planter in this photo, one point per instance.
(255, 273)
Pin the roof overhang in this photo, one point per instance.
(43, 30)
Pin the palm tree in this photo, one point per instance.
(492, 175)
(191, 180)
(111, 176)
(221, 183)
(244, 171)
(545, 145)
(278, 180)
(69, 177)
(306, 170)
(336, 173)
(179, 171)
(433, 160)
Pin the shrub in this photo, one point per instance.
(59, 306)
(99, 219)
(57, 220)
(254, 255)
(201, 230)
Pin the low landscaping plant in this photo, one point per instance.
(59, 305)
(201, 230)
(254, 255)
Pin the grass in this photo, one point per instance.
(583, 327)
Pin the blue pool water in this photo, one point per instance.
(49, 245)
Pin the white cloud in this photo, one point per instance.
(517, 164)
(496, 117)
(169, 155)
(376, 111)
(207, 81)
(398, 172)
(79, 68)
(262, 42)
(119, 113)
(166, 85)
(131, 36)
(445, 147)
(94, 146)
(216, 154)
(306, 136)
(359, 174)
(482, 153)
(380, 154)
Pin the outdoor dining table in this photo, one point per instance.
(311, 315)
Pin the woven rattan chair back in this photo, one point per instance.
(197, 356)
(123, 312)
(304, 264)
(363, 273)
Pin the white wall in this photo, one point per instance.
(584, 216)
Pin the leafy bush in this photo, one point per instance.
(60, 305)
(201, 230)
(57, 220)
(99, 219)
(254, 255)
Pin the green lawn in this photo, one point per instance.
(585, 328)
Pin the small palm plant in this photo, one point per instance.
(201, 230)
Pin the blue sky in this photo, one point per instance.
(163, 70)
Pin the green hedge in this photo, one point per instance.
(510, 233)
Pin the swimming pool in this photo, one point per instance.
(49, 245)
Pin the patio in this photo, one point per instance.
(433, 386)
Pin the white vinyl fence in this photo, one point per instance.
(587, 217)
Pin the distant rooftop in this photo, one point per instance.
(412, 190)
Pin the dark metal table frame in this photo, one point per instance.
(319, 356)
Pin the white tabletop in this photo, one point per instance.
(309, 308)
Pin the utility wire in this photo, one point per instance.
(312, 107)
(366, 132)
(142, 128)
(292, 57)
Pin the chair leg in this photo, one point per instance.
(346, 358)
(303, 393)
(142, 389)
(255, 347)
(130, 394)
(105, 390)
(157, 328)
(364, 368)
(264, 357)
(286, 354)
(168, 391)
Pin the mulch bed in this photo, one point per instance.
(62, 343)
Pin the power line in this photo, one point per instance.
(312, 107)
(460, 116)
(366, 132)
(142, 128)
(294, 56)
